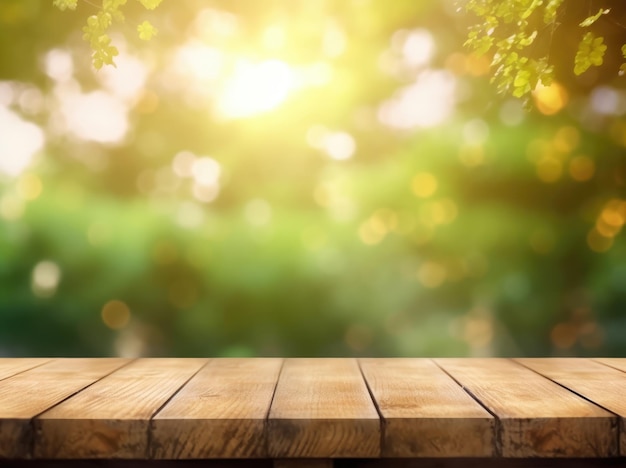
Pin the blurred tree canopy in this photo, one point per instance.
(301, 178)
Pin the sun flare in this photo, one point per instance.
(255, 88)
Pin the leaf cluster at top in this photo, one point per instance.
(97, 27)
(508, 30)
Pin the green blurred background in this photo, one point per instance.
(328, 177)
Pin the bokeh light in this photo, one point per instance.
(302, 178)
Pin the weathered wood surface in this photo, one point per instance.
(27, 394)
(537, 417)
(312, 412)
(599, 383)
(10, 367)
(322, 409)
(220, 413)
(426, 413)
(110, 419)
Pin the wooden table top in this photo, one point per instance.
(167, 408)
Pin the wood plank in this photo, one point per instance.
(617, 363)
(110, 419)
(425, 412)
(11, 366)
(537, 418)
(29, 393)
(601, 384)
(220, 413)
(322, 409)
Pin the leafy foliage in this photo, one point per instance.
(590, 52)
(97, 27)
(510, 31)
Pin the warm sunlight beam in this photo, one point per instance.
(255, 88)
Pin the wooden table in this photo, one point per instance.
(312, 412)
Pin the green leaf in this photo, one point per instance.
(590, 52)
(65, 4)
(624, 50)
(593, 18)
(146, 31)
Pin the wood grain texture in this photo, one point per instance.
(11, 366)
(599, 383)
(110, 419)
(425, 412)
(29, 393)
(220, 413)
(322, 409)
(616, 363)
(537, 417)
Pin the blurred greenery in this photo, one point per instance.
(301, 178)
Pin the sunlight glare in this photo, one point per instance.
(96, 116)
(255, 88)
(19, 142)
(417, 46)
(199, 60)
(127, 79)
(59, 65)
(428, 102)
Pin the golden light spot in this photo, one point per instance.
(611, 219)
(564, 335)
(582, 168)
(542, 241)
(358, 337)
(182, 294)
(115, 314)
(613, 213)
(566, 139)
(550, 99)
(477, 65)
(29, 186)
(597, 242)
(165, 253)
(549, 170)
(373, 230)
(424, 184)
(472, 155)
(607, 230)
(431, 274)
